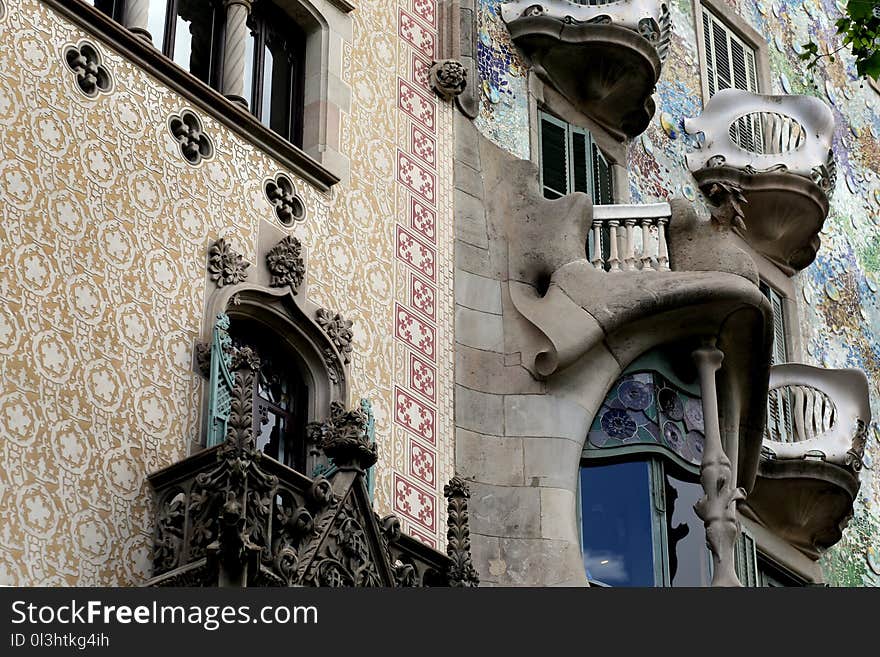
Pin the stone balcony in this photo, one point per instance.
(812, 454)
(770, 159)
(604, 57)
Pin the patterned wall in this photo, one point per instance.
(839, 313)
(104, 229)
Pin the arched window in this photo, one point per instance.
(639, 479)
(275, 71)
(280, 402)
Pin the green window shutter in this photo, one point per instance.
(779, 419)
(746, 560)
(554, 157)
(603, 186)
(709, 55)
(221, 381)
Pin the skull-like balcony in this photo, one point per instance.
(605, 57)
(812, 453)
(772, 155)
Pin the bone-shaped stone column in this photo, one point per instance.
(717, 507)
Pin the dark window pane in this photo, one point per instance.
(579, 162)
(250, 48)
(688, 555)
(602, 180)
(553, 160)
(268, 80)
(113, 8)
(617, 523)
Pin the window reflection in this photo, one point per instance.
(688, 556)
(617, 524)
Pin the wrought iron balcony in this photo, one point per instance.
(232, 516)
(812, 453)
(604, 57)
(629, 237)
(770, 155)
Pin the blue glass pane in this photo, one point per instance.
(616, 513)
(688, 554)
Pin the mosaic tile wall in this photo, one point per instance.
(103, 234)
(839, 313)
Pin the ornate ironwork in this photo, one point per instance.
(221, 381)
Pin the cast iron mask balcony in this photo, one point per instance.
(232, 516)
(772, 156)
(604, 57)
(812, 453)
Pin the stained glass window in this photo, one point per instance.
(646, 407)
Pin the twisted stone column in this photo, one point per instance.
(237, 34)
(137, 13)
(717, 507)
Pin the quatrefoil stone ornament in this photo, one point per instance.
(195, 145)
(92, 77)
(281, 193)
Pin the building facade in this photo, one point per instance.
(284, 280)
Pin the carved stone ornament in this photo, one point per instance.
(194, 144)
(338, 329)
(225, 265)
(282, 194)
(92, 77)
(727, 200)
(286, 264)
(461, 571)
(346, 437)
(448, 78)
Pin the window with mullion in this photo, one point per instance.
(190, 32)
(572, 162)
(274, 71)
(113, 8)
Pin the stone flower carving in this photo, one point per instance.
(281, 193)
(225, 265)
(448, 78)
(92, 77)
(195, 145)
(338, 329)
(286, 264)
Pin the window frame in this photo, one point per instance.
(659, 461)
(782, 398)
(739, 28)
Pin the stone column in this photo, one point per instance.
(717, 507)
(136, 14)
(237, 34)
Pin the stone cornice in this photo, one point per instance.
(203, 97)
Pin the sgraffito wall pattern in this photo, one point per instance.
(104, 230)
(839, 313)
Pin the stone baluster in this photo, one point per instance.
(629, 245)
(597, 246)
(646, 239)
(717, 507)
(662, 249)
(237, 34)
(613, 259)
(136, 17)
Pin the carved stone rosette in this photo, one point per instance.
(448, 78)
(286, 264)
(346, 438)
(225, 265)
(461, 570)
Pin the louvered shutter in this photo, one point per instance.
(730, 63)
(778, 401)
(602, 181)
(221, 381)
(554, 157)
(746, 560)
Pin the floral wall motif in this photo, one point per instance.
(839, 312)
(104, 233)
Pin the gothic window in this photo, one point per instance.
(190, 33)
(280, 394)
(572, 162)
(275, 71)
